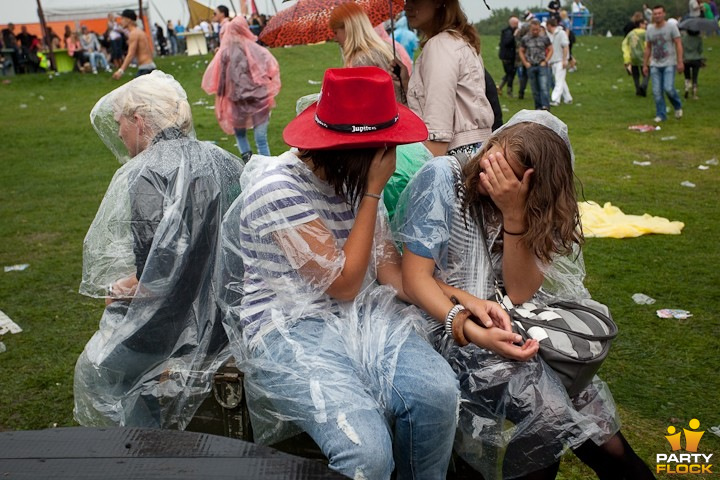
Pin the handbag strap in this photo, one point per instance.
(609, 323)
(458, 159)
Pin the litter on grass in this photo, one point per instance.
(712, 161)
(688, 184)
(703, 167)
(17, 268)
(671, 137)
(7, 325)
(642, 164)
(644, 128)
(674, 313)
(642, 299)
(314, 82)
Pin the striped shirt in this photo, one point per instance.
(278, 201)
(436, 226)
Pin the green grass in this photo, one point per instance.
(55, 171)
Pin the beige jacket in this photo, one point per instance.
(447, 90)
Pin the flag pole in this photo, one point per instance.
(46, 36)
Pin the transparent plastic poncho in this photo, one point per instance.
(515, 417)
(274, 278)
(245, 78)
(152, 249)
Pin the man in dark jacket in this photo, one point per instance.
(507, 55)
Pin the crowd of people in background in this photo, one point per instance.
(541, 53)
(307, 255)
(98, 51)
(655, 48)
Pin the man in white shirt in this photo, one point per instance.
(578, 7)
(695, 8)
(559, 62)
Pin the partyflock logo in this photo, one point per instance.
(684, 463)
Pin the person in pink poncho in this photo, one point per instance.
(245, 78)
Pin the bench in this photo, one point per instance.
(225, 413)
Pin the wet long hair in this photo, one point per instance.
(451, 17)
(345, 170)
(551, 210)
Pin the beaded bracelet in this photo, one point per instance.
(450, 317)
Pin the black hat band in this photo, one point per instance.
(353, 128)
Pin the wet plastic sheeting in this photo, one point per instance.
(122, 453)
(515, 417)
(150, 363)
(282, 269)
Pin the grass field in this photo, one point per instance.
(662, 372)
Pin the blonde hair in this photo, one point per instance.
(158, 99)
(363, 46)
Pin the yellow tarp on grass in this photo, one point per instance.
(610, 221)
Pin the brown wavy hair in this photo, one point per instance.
(345, 170)
(451, 17)
(551, 210)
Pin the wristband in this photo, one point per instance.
(458, 325)
(373, 195)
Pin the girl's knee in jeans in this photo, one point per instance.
(444, 390)
(371, 458)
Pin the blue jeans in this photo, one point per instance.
(260, 133)
(538, 76)
(307, 380)
(94, 57)
(663, 82)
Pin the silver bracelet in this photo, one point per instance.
(450, 317)
(373, 195)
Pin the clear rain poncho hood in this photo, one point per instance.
(157, 230)
(515, 417)
(563, 277)
(244, 76)
(272, 279)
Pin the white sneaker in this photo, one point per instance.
(678, 113)
(554, 104)
(94, 72)
(658, 119)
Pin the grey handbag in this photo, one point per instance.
(574, 337)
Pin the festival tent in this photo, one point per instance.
(74, 13)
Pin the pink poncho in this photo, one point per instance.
(244, 76)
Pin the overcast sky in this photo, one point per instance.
(24, 11)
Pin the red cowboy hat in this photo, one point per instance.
(356, 109)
